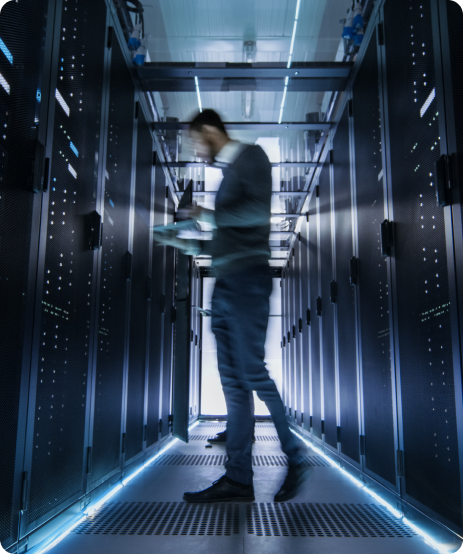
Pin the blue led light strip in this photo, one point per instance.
(4, 49)
(429, 540)
(74, 149)
(92, 508)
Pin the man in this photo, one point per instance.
(240, 305)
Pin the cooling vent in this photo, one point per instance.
(323, 520)
(163, 518)
(261, 438)
(218, 460)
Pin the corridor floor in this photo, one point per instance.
(330, 515)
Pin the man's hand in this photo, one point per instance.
(197, 213)
(188, 247)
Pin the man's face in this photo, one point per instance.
(201, 146)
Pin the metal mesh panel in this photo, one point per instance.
(373, 285)
(113, 286)
(163, 518)
(432, 469)
(323, 520)
(67, 293)
(155, 349)
(327, 320)
(298, 341)
(346, 298)
(315, 321)
(22, 29)
(139, 302)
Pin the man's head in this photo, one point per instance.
(208, 134)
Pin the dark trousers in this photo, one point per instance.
(240, 313)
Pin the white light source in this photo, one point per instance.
(5, 84)
(199, 95)
(294, 33)
(62, 102)
(383, 502)
(428, 102)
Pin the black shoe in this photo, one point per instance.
(221, 438)
(223, 490)
(296, 476)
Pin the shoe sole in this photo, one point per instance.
(239, 499)
(295, 492)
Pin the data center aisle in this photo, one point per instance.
(330, 515)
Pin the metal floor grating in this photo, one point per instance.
(261, 438)
(163, 518)
(262, 520)
(219, 460)
(324, 520)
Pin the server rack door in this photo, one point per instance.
(200, 346)
(26, 41)
(169, 277)
(315, 323)
(373, 281)
(283, 338)
(138, 294)
(347, 337)
(57, 434)
(425, 358)
(327, 318)
(192, 375)
(288, 338)
(305, 362)
(157, 308)
(112, 310)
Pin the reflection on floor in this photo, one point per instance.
(331, 514)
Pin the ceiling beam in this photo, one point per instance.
(224, 77)
(249, 126)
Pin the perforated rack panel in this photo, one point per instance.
(22, 31)
(113, 282)
(315, 325)
(327, 319)
(139, 292)
(373, 283)
(305, 327)
(346, 296)
(155, 346)
(63, 362)
(432, 466)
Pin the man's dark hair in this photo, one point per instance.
(207, 117)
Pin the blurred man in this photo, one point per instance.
(240, 304)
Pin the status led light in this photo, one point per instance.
(72, 171)
(8, 54)
(5, 84)
(383, 502)
(428, 102)
(74, 149)
(62, 103)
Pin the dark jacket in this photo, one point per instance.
(242, 214)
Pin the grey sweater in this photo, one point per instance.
(242, 214)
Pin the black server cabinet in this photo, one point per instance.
(283, 338)
(59, 411)
(305, 315)
(374, 289)
(291, 340)
(327, 312)
(297, 333)
(345, 303)
(315, 320)
(111, 342)
(140, 293)
(26, 34)
(425, 359)
(157, 310)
